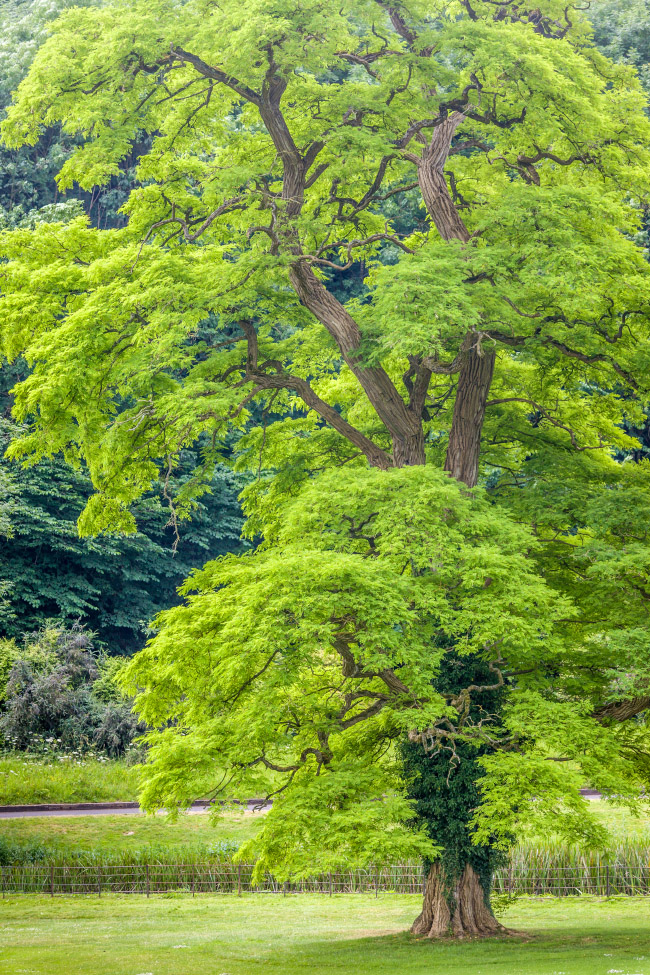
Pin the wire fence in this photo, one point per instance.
(604, 880)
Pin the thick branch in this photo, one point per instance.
(216, 74)
(622, 710)
(404, 427)
(281, 380)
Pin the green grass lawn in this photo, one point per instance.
(124, 833)
(621, 822)
(28, 779)
(115, 834)
(310, 935)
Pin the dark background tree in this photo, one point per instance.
(113, 584)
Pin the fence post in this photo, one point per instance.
(51, 880)
(99, 881)
(607, 879)
(146, 873)
(376, 883)
(193, 878)
(239, 879)
(330, 883)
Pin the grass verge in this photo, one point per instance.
(190, 837)
(64, 778)
(304, 935)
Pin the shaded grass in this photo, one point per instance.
(310, 935)
(33, 778)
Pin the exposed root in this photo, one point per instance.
(469, 917)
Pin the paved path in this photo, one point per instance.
(106, 810)
(132, 809)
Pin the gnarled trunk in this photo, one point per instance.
(445, 798)
(477, 366)
(459, 909)
(464, 445)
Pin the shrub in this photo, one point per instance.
(57, 690)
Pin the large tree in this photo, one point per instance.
(401, 635)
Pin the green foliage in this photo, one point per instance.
(8, 653)
(556, 246)
(47, 574)
(106, 688)
(622, 32)
(28, 189)
(113, 584)
(363, 566)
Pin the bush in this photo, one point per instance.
(18, 854)
(58, 691)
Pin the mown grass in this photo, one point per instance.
(194, 838)
(621, 823)
(64, 778)
(130, 837)
(311, 935)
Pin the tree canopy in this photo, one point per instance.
(251, 198)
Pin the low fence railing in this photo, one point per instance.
(604, 880)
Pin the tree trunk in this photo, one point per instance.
(464, 446)
(460, 912)
(409, 452)
(477, 366)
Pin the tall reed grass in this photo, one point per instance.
(540, 869)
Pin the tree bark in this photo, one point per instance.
(477, 366)
(404, 426)
(458, 910)
(464, 446)
(433, 184)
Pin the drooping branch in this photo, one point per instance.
(592, 359)
(547, 416)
